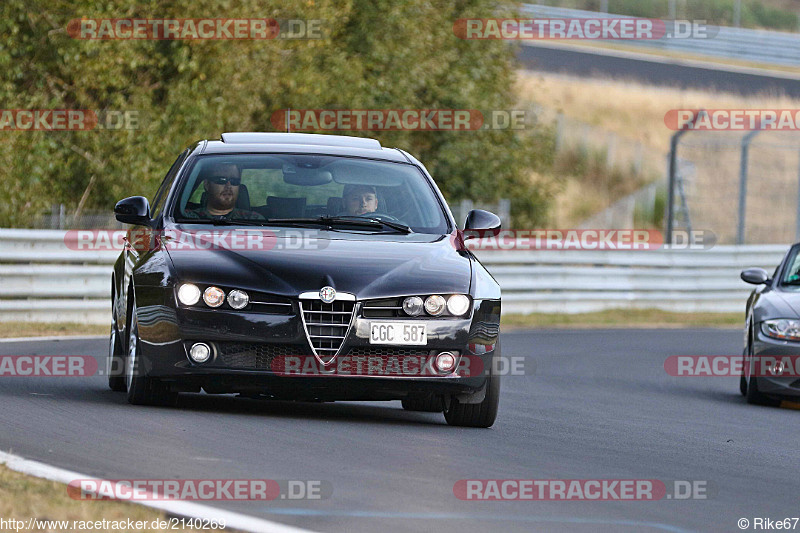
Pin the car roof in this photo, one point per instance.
(302, 143)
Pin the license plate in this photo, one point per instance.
(398, 333)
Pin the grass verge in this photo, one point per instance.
(23, 497)
(46, 329)
(623, 318)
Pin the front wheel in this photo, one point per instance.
(431, 404)
(116, 357)
(142, 390)
(476, 415)
(749, 387)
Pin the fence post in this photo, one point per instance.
(611, 151)
(559, 132)
(466, 207)
(673, 170)
(737, 13)
(743, 163)
(504, 211)
(604, 6)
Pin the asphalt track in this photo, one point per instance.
(594, 404)
(654, 70)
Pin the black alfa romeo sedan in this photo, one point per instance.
(304, 267)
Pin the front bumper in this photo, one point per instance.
(776, 386)
(166, 333)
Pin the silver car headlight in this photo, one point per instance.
(458, 305)
(189, 294)
(213, 296)
(782, 328)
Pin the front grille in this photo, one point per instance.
(269, 303)
(387, 350)
(387, 308)
(252, 356)
(327, 325)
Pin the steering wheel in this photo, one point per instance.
(387, 217)
(381, 216)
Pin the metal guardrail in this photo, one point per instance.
(42, 280)
(760, 46)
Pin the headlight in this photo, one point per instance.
(214, 296)
(413, 306)
(782, 328)
(458, 304)
(434, 305)
(238, 299)
(189, 294)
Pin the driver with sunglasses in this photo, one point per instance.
(222, 190)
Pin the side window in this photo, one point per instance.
(160, 197)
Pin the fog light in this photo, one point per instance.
(189, 294)
(413, 306)
(458, 304)
(434, 305)
(214, 296)
(445, 362)
(238, 299)
(200, 352)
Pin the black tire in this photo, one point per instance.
(431, 404)
(477, 415)
(756, 398)
(115, 365)
(742, 378)
(142, 390)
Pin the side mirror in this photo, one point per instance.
(755, 276)
(481, 223)
(133, 210)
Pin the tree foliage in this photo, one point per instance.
(375, 54)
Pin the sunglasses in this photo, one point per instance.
(222, 180)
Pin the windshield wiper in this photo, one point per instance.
(223, 221)
(388, 223)
(350, 220)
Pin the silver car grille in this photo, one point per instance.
(326, 325)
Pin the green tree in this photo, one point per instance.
(375, 54)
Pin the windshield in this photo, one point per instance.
(791, 276)
(260, 188)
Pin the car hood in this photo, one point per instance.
(787, 301)
(369, 266)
